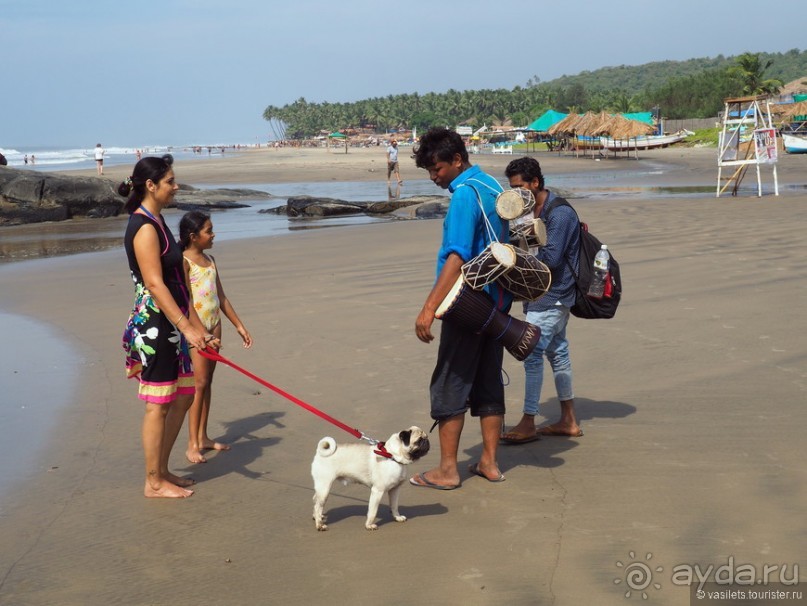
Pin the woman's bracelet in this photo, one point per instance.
(179, 319)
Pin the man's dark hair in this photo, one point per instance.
(526, 168)
(439, 145)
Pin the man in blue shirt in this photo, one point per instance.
(468, 370)
(551, 312)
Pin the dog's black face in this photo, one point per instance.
(419, 448)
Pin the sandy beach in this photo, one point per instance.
(691, 399)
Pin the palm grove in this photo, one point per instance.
(681, 89)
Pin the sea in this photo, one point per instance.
(53, 158)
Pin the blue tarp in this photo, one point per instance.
(549, 118)
(646, 117)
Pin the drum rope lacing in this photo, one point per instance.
(212, 354)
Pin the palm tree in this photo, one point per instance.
(751, 73)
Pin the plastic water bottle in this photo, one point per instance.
(601, 260)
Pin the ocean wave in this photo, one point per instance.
(84, 158)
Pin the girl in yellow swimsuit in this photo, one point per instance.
(208, 299)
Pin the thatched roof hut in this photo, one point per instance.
(622, 128)
(787, 112)
(565, 126)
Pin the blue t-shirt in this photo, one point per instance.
(465, 232)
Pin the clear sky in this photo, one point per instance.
(151, 72)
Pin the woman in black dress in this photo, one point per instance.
(162, 325)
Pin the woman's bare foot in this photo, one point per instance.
(181, 482)
(208, 444)
(166, 490)
(194, 456)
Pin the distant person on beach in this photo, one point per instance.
(392, 161)
(99, 159)
(208, 299)
(551, 312)
(33, 159)
(469, 365)
(25, 159)
(162, 324)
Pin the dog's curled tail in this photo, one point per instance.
(326, 447)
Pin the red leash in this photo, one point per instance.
(212, 354)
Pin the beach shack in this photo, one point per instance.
(336, 139)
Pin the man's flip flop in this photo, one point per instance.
(474, 469)
(421, 481)
(551, 430)
(514, 437)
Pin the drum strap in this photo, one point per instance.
(488, 227)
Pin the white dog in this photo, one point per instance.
(359, 463)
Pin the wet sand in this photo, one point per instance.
(692, 402)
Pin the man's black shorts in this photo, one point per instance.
(468, 374)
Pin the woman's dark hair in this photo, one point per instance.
(526, 168)
(439, 145)
(149, 168)
(191, 223)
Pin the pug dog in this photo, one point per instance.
(361, 464)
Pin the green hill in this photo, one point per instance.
(680, 89)
(638, 78)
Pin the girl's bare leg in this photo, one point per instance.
(205, 442)
(201, 373)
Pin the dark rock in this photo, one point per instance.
(315, 206)
(432, 210)
(190, 198)
(29, 196)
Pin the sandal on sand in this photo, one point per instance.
(474, 469)
(515, 437)
(421, 481)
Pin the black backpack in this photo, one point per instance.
(584, 306)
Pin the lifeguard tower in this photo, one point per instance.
(747, 138)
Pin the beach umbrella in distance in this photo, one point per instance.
(622, 128)
(595, 124)
(583, 129)
(565, 126)
(607, 125)
(587, 123)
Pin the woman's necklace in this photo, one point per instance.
(148, 214)
(159, 223)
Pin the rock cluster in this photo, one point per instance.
(28, 196)
(319, 207)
